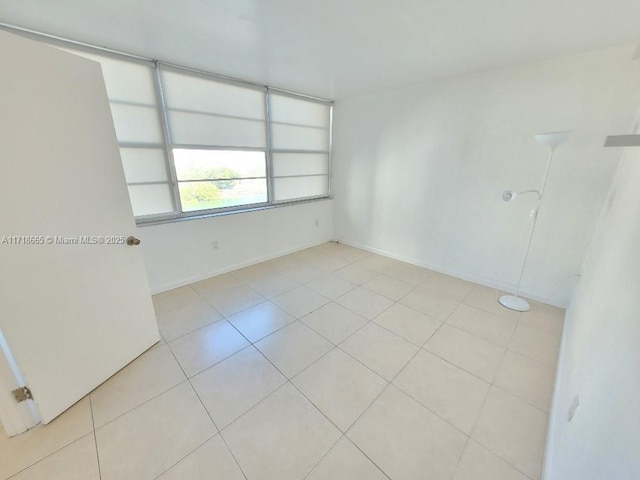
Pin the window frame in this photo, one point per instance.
(180, 214)
(207, 212)
(167, 146)
(299, 151)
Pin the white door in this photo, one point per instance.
(72, 314)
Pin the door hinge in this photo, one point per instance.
(21, 394)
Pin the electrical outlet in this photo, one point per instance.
(573, 408)
(214, 244)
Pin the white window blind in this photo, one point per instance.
(194, 143)
(205, 112)
(136, 116)
(218, 132)
(300, 132)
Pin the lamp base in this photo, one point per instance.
(514, 303)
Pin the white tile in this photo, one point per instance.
(447, 285)
(77, 461)
(233, 386)
(260, 320)
(328, 248)
(486, 299)
(388, 287)
(408, 323)
(409, 273)
(252, 272)
(489, 326)
(478, 463)
(535, 344)
(334, 322)
(305, 255)
(346, 462)
(329, 263)
(378, 263)
(383, 352)
(527, 379)
(300, 301)
(148, 440)
(186, 319)
(445, 389)
(207, 346)
(430, 303)
(214, 284)
(283, 263)
(283, 437)
(545, 318)
(304, 273)
(22, 451)
(406, 440)
(356, 274)
(212, 458)
(170, 300)
(365, 303)
(340, 387)
(233, 299)
(467, 351)
(293, 348)
(350, 254)
(514, 430)
(331, 286)
(152, 373)
(272, 285)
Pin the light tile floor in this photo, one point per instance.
(329, 363)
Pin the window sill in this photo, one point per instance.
(161, 221)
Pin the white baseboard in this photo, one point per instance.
(187, 281)
(498, 285)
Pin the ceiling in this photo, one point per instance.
(336, 48)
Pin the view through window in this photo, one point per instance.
(211, 179)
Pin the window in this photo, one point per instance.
(218, 135)
(300, 148)
(213, 179)
(136, 117)
(192, 143)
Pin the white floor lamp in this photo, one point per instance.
(551, 140)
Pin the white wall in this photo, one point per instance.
(418, 172)
(180, 253)
(600, 358)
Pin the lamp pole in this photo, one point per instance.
(552, 140)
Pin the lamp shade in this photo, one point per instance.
(552, 139)
(508, 195)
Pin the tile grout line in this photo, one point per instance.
(468, 436)
(289, 379)
(185, 457)
(380, 394)
(389, 382)
(478, 418)
(95, 437)
(219, 432)
(14, 475)
(357, 419)
(342, 434)
(336, 346)
(153, 397)
(216, 427)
